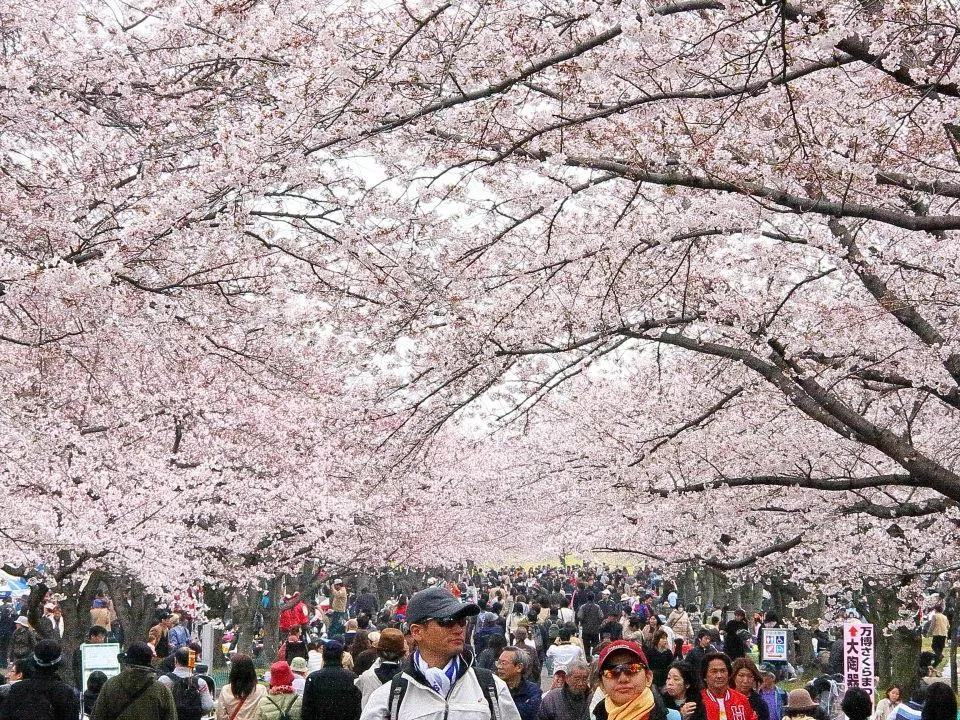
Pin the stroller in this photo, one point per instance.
(826, 691)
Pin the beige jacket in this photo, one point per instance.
(227, 704)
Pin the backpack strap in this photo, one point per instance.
(489, 688)
(283, 708)
(398, 688)
(134, 698)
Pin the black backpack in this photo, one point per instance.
(186, 697)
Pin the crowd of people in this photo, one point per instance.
(522, 645)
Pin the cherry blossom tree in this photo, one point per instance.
(686, 257)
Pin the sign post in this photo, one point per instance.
(774, 644)
(858, 655)
(99, 656)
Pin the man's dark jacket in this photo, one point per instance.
(331, 695)
(23, 694)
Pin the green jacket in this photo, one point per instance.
(268, 707)
(155, 703)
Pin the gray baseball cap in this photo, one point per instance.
(437, 603)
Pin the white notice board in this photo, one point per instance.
(774, 644)
(99, 656)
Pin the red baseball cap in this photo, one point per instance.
(623, 646)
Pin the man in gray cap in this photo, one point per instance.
(438, 681)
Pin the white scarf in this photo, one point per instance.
(440, 679)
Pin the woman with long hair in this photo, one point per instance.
(241, 695)
(513, 620)
(682, 692)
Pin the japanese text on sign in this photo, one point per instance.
(858, 655)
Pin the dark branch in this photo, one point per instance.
(797, 203)
(890, 512)
(715, 563)
(829, 484)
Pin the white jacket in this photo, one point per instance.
(465, 701)
(368, 682)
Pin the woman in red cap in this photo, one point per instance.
(626, 680)
(281, 698)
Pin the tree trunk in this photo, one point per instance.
(245, 606)
(136, 609)
(271, 619)
(688, 586)
(708, 589)
(76, 621)
(953, 612)
(896, 651)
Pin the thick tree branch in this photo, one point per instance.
(933, 187)
(712, 562)
(899, 308)
(826, 483)
(824, 407)
(797, 203)
(891, 512)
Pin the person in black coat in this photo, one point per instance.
(734, 634)
(45, 686)
(330, 693)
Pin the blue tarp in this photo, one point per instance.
(10, 585)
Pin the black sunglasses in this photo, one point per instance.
(448, 622)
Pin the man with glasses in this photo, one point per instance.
(437, 680)
(513, 666)
(570, 701)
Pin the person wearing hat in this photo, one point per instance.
(610, 606)
(22, 640)
(391, 649)
(719, 699)
(774, 697)
(44, 691)
(135, 692)
(281, 699)
(627, 684)
(330, 693)
(298, 666)
(438, 682)
(801, 705)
